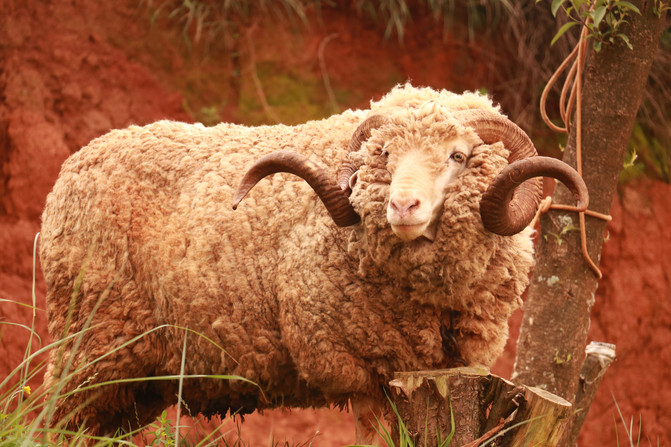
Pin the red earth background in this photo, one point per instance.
(71, 70)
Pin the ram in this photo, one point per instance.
(416, 261)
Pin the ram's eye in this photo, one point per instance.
(459, 157)
(383, 151)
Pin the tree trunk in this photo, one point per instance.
(428, 402)
(473, 407)
(550, 349)
(599, 357)
(542, 417)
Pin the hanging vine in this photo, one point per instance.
(601, 21)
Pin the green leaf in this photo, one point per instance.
(598, 14)
(568, 228)
(628, 5)
(557, 236)
(562, 30)
(556, 4)
(630, 159)
(597, 46)
(626, 40)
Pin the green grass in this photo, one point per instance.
(402, 432)
(632, 436)
(27, 415)
(203, 20)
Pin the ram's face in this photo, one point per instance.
(419, 166)
(420, 175)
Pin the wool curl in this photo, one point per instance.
(141, 251)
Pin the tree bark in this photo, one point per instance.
(473, 407)
(550, 348)
(543, 419)
(599, 357)
(427, 401)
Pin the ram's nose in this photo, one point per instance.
(404, 206)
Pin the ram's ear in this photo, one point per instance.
(352, 181)
(345, 173)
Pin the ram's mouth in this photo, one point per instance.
(409, 232)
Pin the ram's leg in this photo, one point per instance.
(368, 415)
(339, 373)
(104, 326)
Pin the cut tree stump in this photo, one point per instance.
(598, 357)
(476, 406)
(543, 419)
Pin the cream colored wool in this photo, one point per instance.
(274, 292)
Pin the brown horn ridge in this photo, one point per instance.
(335, 199)
(361, 134)
(511, 201)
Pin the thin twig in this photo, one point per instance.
(486, 436)
(322, 66)
(179, 391)
(255, 76)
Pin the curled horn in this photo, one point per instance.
(335, 199)
(505, 210)
(511, 201)
(361, 134)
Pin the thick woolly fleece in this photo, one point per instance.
(140, 249)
